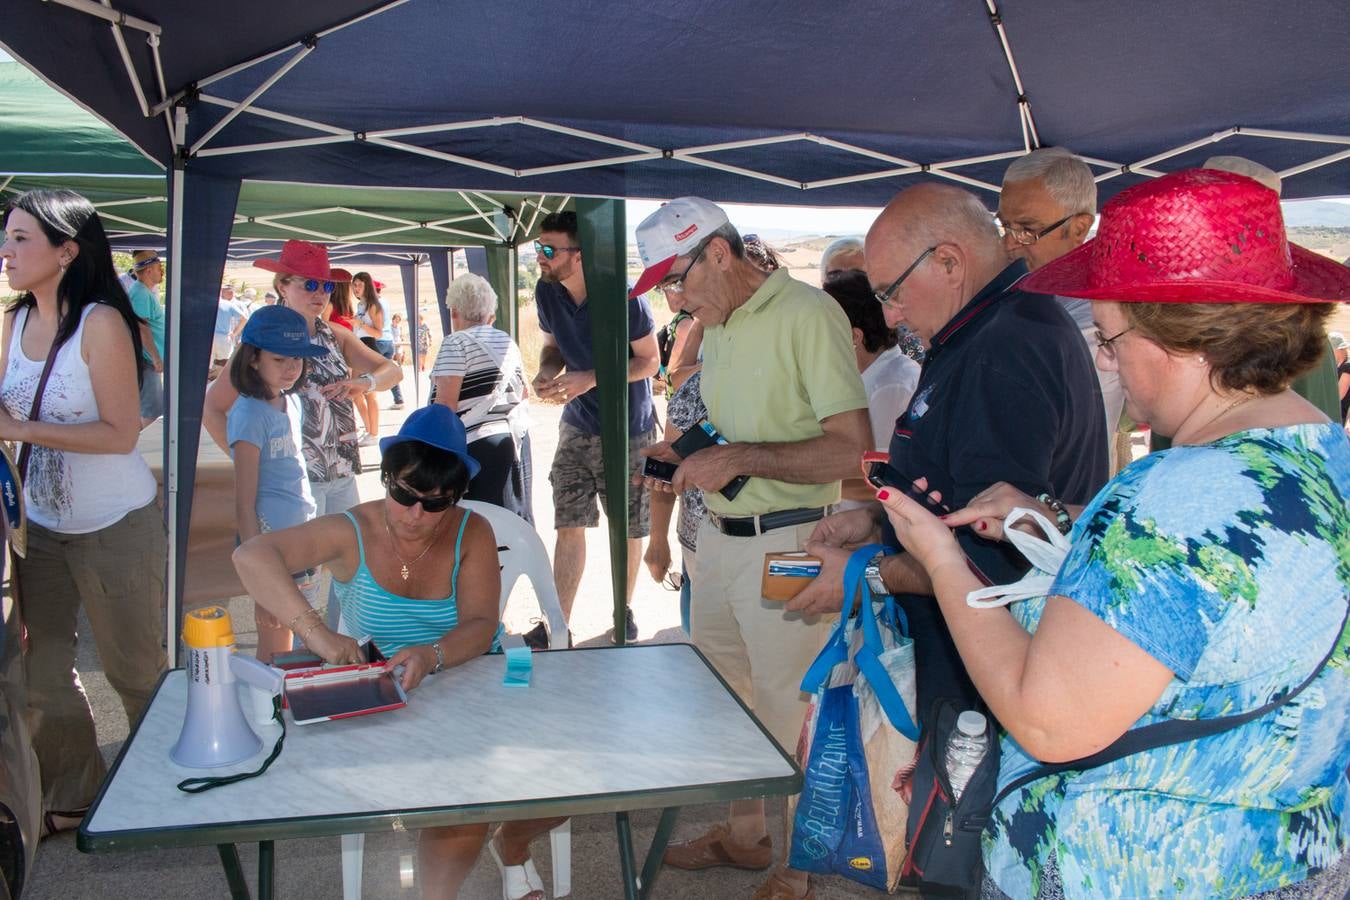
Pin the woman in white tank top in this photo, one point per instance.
(96, 535)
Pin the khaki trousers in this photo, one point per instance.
(117, 575)
(755, 644)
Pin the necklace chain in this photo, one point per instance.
(403, 570)
(1242, 398)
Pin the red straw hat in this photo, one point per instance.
(304, 259)
(1196, 236)
(341, 275)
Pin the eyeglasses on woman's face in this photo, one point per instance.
(1107, 345)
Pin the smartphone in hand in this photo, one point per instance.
(881, 474)
(658, 469)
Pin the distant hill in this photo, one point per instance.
(1305, 213)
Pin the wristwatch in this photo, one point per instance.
(370, 380)
(440, 659)
(873, 575)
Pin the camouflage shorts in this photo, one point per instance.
(578, 477)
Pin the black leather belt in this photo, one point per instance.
(749, 526)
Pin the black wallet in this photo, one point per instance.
(699, 437)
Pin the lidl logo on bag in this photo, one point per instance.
(861, 863)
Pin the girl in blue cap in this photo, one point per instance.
(264, 432)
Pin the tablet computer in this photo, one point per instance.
(324, 695)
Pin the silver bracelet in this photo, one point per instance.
(370, 380)
(440, 660)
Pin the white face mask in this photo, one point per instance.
(1045, 556)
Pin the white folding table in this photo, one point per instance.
(598, 730)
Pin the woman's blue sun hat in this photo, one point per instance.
(436, 426)
(280, 330)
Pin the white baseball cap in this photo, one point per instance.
(673, 230)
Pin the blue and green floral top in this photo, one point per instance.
(1230, 564)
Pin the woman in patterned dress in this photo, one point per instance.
(1203, 581)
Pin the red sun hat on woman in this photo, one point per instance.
(304, 259)
(1196, 236)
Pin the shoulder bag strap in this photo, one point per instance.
(37, 396)
(1173, 731)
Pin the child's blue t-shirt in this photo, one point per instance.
(284, 498)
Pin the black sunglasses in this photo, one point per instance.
(404, 497)
(548, 252)
(312, 285)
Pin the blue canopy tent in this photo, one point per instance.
(761, 101)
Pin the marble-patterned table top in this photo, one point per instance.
(598, 730)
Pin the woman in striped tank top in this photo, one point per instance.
(420, 575)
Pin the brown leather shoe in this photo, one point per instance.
(778, 888)
(716, 849)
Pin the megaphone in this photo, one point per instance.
(215, 731)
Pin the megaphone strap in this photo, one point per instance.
(198, 785)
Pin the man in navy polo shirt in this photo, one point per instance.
(1008, 392)
(567, 374)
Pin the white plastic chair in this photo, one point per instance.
(522, 553)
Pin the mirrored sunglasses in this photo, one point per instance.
(548, 252)
(313, 285)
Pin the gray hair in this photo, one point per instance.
(837, 246)
(955, 215)
(1067, 179)
(472, 297)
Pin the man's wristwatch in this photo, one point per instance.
(440, 659)
(873, 575)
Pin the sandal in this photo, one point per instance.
(520, 882)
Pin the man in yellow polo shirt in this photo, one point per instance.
(781, 384)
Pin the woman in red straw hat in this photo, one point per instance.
(1204, 582)
(304, 281)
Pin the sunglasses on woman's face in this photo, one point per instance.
(404, 497)
(312, 285)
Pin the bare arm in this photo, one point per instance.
(376, 326)
(246, 459)
(148, 343)
(646, 359)
(1064, 693)
(220, 396)
(447, 390)
(830, 457)
(107, 350)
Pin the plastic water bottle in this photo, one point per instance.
(965, 748)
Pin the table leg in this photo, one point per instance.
(265, 854)
(234, 873)
(656, 853)
(632, 889)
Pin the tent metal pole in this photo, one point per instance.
(132, 222)
(274, 145)
(589, 135)
(860, 151)
(740, 145)
(1168, 154)
(482, 215)
(438, 127)
(174, 421)
(870, 176)
(280, 117)
(108, 14)
(737, 170)
(1315, 164)
(1295, 135)
(448, 157)
(1024, 105)
(977, 160)
(589, 164)
(131, 69)
(1115, 166)
(257, 92)
(973, 182)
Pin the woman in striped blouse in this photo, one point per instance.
(420, 575)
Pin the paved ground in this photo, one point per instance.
(310, 868)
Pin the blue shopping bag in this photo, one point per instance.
(860, 742)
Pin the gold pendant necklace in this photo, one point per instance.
(403, 570)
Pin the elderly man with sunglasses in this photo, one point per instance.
(567, 375)
(1007, 393)
(780, 382)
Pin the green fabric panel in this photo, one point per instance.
(604, 260)
(501, 262)
(1317, 386)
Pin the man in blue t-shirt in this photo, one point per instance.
(148, 271)
(567, 374)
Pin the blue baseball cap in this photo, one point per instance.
(436, 426)
(280, 330)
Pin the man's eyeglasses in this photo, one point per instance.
(404, 497)
(1108, 344)
(1025, 236)
(676, 286)
(312, 284)
(548, 252)
(884, 297)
